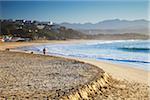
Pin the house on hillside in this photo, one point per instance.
(20, 22)
(7, 38)
(46, 23)
(8, 20)
(36, 22)
(28, 22)
(20, 39)
(2, 40)
(40, 26)
(13, 39)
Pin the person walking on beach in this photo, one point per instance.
(44, 51)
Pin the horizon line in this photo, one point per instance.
(76, 22)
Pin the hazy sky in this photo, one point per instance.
(75, 11)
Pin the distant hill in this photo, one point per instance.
(114, 26)
(35, 31)
(125, 36)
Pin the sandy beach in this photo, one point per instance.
(125, 82)
(116, 70)
(122, 72)
(25, 74)
(80, 50)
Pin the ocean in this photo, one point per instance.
(134, 53)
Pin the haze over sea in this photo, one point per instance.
(134, 53)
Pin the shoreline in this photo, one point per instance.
(117, 71)
(4, 45)
(122, 72)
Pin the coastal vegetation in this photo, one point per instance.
(37, 30)
(34, 30)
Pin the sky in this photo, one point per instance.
(80, 11)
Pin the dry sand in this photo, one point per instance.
(35, 76)
(134, 88)
(121, 72)
(22, 73)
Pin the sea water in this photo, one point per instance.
(134, 53)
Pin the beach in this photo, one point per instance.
(117, 70)
(62, 50)
(128, 82)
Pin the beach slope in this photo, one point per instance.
(34, 76)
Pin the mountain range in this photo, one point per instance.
(113, 26)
